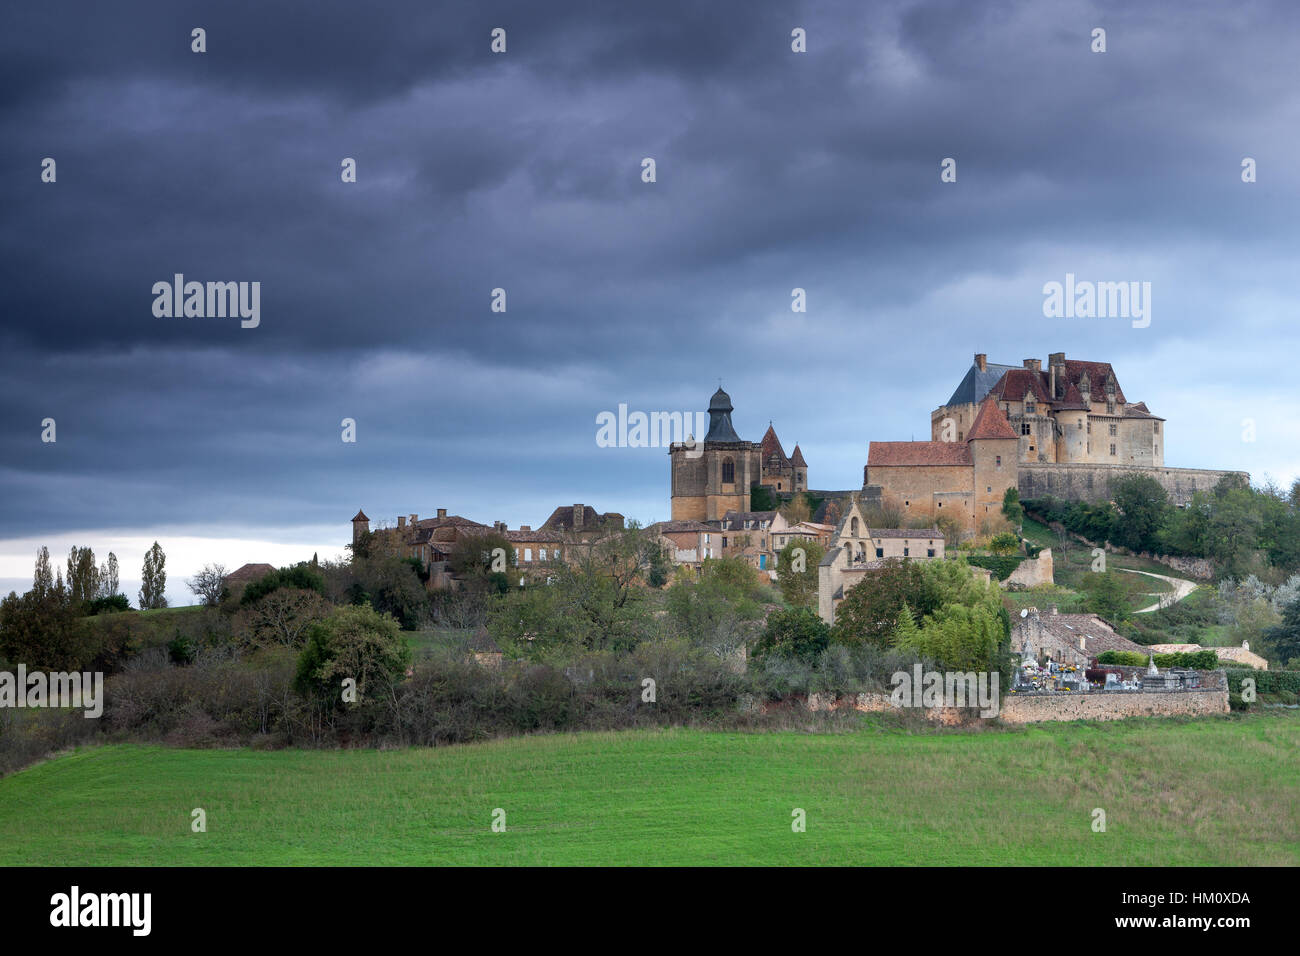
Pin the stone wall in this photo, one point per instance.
(1031, 708)
(1032, 571)
(1034, 708)
(1076, 482)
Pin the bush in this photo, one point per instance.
(1001, 566)
(796, 632)
(356, 643)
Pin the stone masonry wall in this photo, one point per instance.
(1076, 482)
(1034, 708)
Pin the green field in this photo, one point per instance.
(1213, 791)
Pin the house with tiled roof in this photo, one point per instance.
(241, 577)
(856, 549)
(1067, 638)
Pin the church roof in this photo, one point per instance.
(771, 445)
(990, 422)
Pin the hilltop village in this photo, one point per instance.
(1064, 431)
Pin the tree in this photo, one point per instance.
(870, 608)
(108, 577)
(793, 632)
(1004, 543)
(797, 569)
(280, 618)
(1284, 639)
(1143, 505)
(1107, 596)
(796, 509)
(356, 643)
(153, 586)
(208, 584)
(83, 576)
(43, 582)
(1011, 507)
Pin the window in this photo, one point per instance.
(905, 552)
(724, 541)
(929, 552)
(999, 461)
(541, 554)
(907, 504)
(1089, 428)
(778, 486)
(1156, 425)
(708, 538)
(1112, 449)
(1024, 428)
(880, 552)
(728, 472)
(989, 489)
(941, 504)
(528, 554)
(1110, 408)
(1114, 430)
(853, 527)
(1030, 408)
(1080, 426)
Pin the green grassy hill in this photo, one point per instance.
(1213, 791)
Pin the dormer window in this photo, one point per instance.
(1030, 408)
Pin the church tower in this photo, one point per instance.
(712, 477)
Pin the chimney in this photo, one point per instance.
(577, 517)
(524, 527)
(442, 512)
(401, 521)
(414, 518)
(1034, 365)
(982, 361)
(1083, 642)
(499, 526)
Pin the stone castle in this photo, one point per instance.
(1066, 431)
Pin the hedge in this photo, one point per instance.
(1195, 660)
(1002, 567)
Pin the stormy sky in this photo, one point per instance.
(522, 170)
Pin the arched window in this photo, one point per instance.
(728, 471)
(853, 527)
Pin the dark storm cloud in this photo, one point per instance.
(523, 171)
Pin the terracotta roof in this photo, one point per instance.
(429, 524)
(1098, 372)
(361, 516)
(562, 518)
(663, 527)
(1070, 627)
(888, 453)
(1073, 401)
(248, 574)
(539, 535)
(990, 422)
(1018, 383)
(771, 445)
(796, 459)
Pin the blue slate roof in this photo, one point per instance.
(977, 384)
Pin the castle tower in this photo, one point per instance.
(994, 448)
(360, 526)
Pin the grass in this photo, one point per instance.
(1211, 791)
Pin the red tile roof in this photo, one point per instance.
(1018, 383)
(361, 516)
(771, 445)
(942, 453)
(797, 458)
(990, 422)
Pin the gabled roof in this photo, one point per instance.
(1097, 373)
(248, 573)
(562, 518)
(1019, 384)
(990, 422)
(941, 453)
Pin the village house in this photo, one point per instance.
(1074, 639)
(856, 550)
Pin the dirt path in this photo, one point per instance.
(1181, 589)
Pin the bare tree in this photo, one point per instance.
(208, 583)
